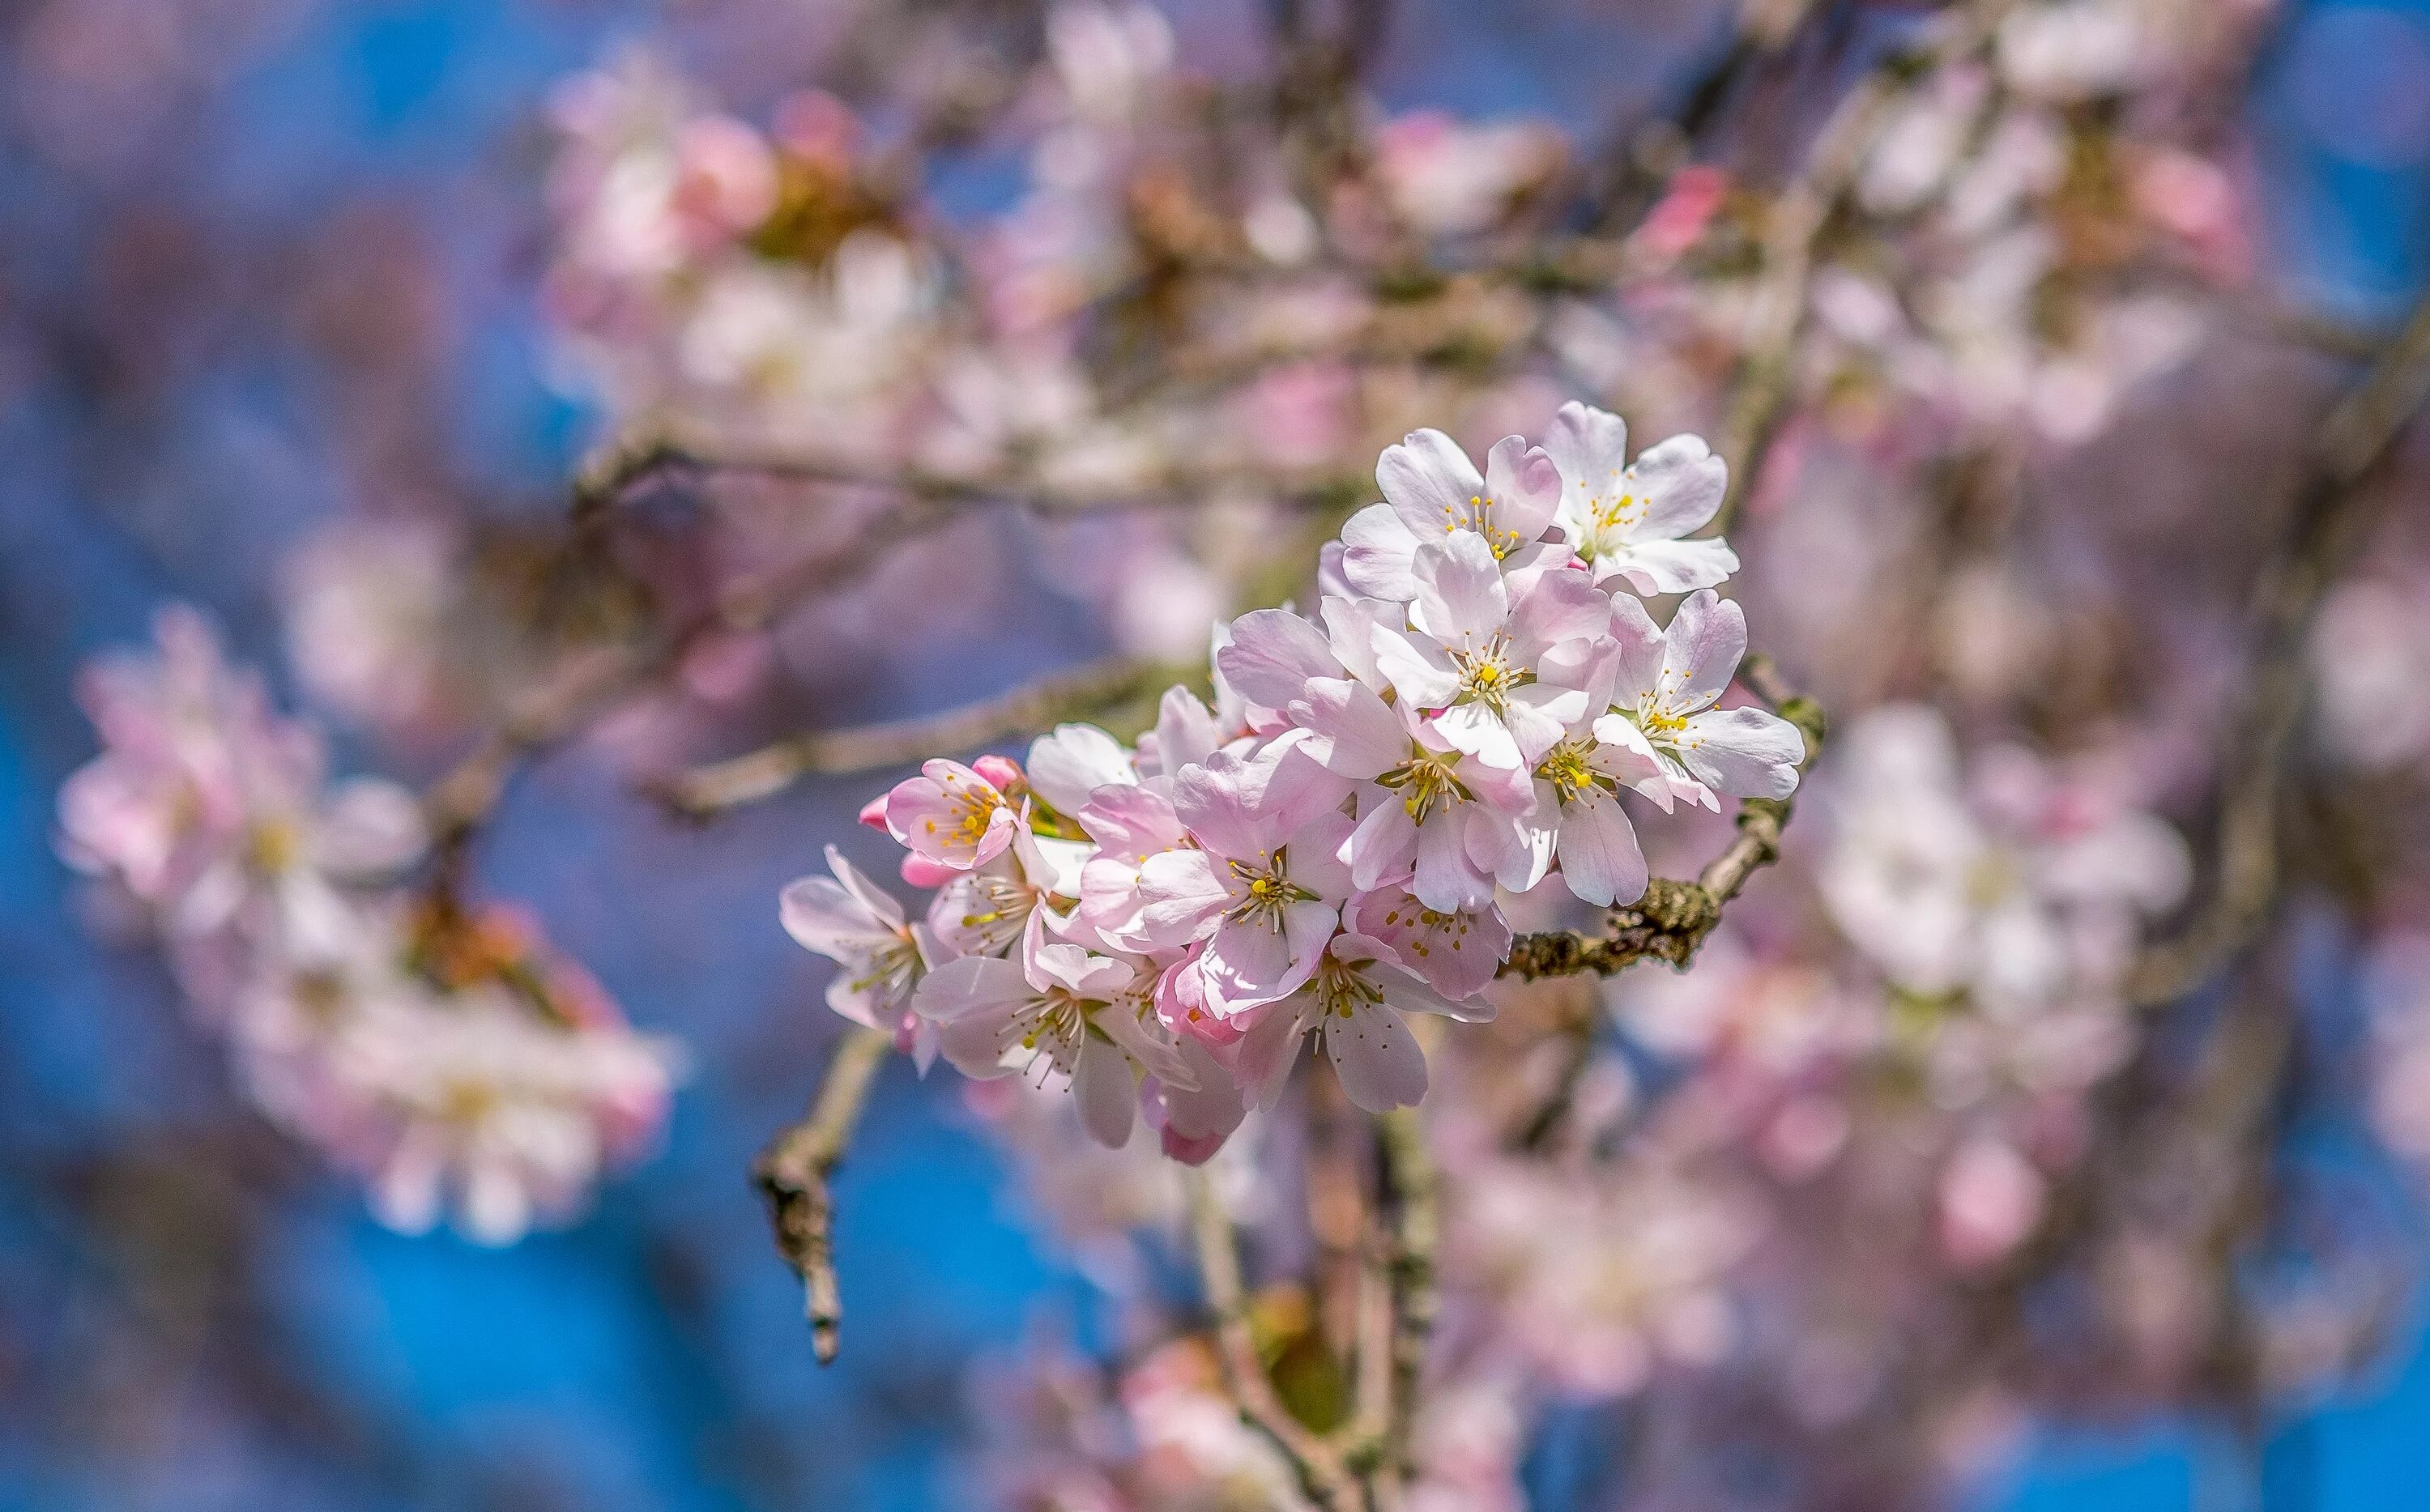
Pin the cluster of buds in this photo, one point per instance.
(1325, 849)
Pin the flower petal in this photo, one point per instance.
(1600, 857)
(1377, 1059)
(1669, 566)
(1105, 1091)
(1747, 752)
(1700, 650)
(1682, 483)
(1428, 481)
(1272, 655)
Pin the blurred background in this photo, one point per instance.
(270, 267)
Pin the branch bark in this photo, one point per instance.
(1802, 211)
(1083, 693)
(792, 1173)
(1323, 1477)
(1410, 1182)
(2326, 525)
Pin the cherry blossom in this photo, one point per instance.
(854, 923)
(1669, 681)
(1628, 520)
(1035, 1016)
(1432, 491)
(1354, 1002)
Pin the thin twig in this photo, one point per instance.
(1776, 318)
(792, 1174)
(1638, 155)
(650, 459)
(1323, 1476)
(1410, 1178)
(2325, 529)
(1077, 693)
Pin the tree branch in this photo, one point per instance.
(792, 1174)
(618, 473)
(2326, 525)
(1409, 1179)
(1082, 692)
(1322, 1475)
(1776, 318)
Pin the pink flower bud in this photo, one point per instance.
(872, 813)
(1003, 773)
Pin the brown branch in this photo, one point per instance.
(792, 1174)
(1640, 154)
(1322, 1475)
(1410, 1182)
(1077, 693)
(1800, 213)
(2327, 521)
(617, 473)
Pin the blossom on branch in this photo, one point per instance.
(1329, 847)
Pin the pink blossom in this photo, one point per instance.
(949, 816)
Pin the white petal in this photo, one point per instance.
(1417, 668)
(1600, 857)
(1671, 566)
(1376, 1058)
(1747, 752)
(1461, 598)
(1428, 481)
(1074, 761)
(1376, 552)
(1358, 735)
(973, 988)
(1682, 483)
(1526, 489)
(1700, 650)
(1106, 1094)
(1589, 446)
(1477, 730)
(823, 917)
(1272, 655)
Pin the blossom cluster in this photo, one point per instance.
(1324, 849)
(444, 1054)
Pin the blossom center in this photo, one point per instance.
(893, 966)
(1478, 517)
(1050, 1025)
(1424, 782)
(999, 907)
(1659, 721)
(272, 847)
(1614, 515)
(1487, 678)
(973, 805)
(1565, 767)
(1270, 891)
(1343, 989)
